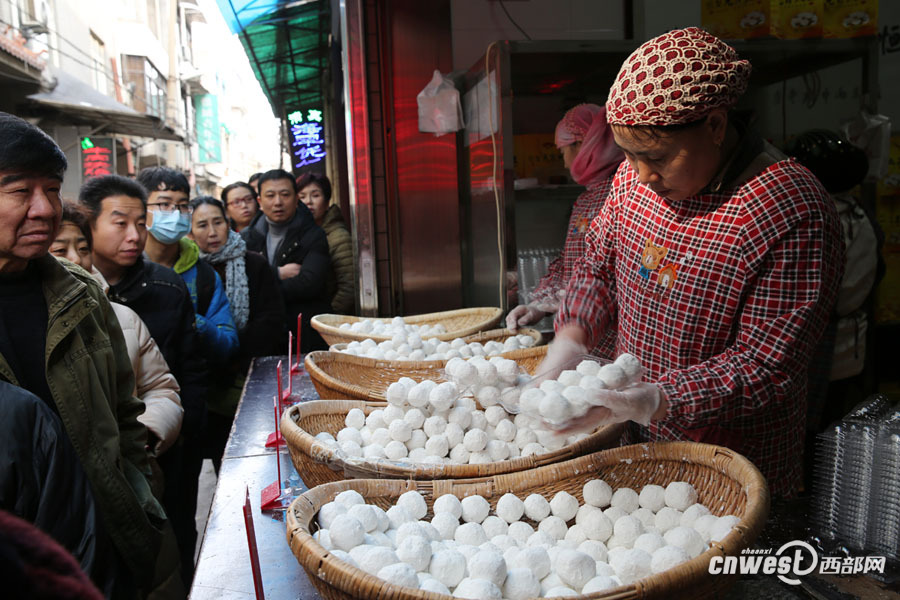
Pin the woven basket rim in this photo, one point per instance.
(317, 559)
(489, 317)
(306, 442)
(314, 359)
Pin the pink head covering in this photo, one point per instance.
(676, 78)
(598, 156)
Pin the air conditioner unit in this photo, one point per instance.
(31, 28)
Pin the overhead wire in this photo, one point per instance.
(513, 21)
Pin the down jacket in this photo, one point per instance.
(154, 382)
(341, 282)
(91, 382)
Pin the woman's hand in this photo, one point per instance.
(289, 270)
(562, 351)
(523, 314)
(641, 403)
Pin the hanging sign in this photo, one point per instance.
(209, 137)
(307, 137)
(98, 156)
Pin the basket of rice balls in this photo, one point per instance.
(445, 325)
(412, 347)
(640, 521)
(481, 417)
(345, 375)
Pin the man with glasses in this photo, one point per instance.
(285, 232)
(168, 222)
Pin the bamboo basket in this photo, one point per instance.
(496, 335)
(341, 376)
(459, 323)
(318, 463)
(727, 483)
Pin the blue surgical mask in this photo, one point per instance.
(169, 227)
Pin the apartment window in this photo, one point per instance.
(99, 64)
(147, 86)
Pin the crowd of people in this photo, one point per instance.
(128, 320)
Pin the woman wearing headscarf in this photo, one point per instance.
(591, 155)
(256, 305)
(718, 256)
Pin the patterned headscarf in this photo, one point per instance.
(598, 156)
(677, 78)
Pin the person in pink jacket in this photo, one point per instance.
(154, 382)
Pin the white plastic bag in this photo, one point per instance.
(872, 133)
(440, 110)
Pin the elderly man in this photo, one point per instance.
(60, 340)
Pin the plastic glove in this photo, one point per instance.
(560, 354)
(638, 403)
(523, 314)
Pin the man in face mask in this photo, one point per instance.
(168, 222)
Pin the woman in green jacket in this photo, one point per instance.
(315, 193)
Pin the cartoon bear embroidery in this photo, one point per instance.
(650, 259)
(666, 276)
(581, 225)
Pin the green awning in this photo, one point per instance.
(287, 44)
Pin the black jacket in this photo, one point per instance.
(160, 298)
(304, 243)
(43, 482)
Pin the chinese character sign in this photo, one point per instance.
(208, 131)
(307, 137)
(98, 157)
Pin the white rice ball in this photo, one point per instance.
(600, 583)
(350, 434)
(687, 539)
(477, 589)
(510, 508)
(627, 529)
(355, 418)
(349, 497)
(520, 531)
(722, 527)
(505, 430)
(372, 559)
(597, 526)
(489, 566)
(365, 514)
(588, 367)
(375, 420)
(474, 509)
(347, 533)
(575, 568)
(448, 567)
(442, 396)
(475, 440)
(576, 534)
(553, 526)
(399, 515)
(460, 415)
(520, 584)
(487, 396)
(597, 493)
(430, 584)
(667, 557)
(667, 518)
(323, 536)
(652, 497)
(381, 436)
(594, 549)
(525, 436)
(680, 495)
(612, 376)
(533, 448)
(329, 512)
(494, 526)
(414, 503)
(536, 507)
(417, 439)
(703, 525)
(626, 499)
(631, 565)
(459, 455)
(530, 400)
(400, 430)
(692, 513)
(555, 408)
(434, 425)
(564, 505)
(415, 551)
(497, 450)
(437, 446)
(614, 513)
(392, 413)
(471, 534)
(397, 393)
(446, 524)
(649, 542)
(374, 451)
(448, 503)
(630, 365)
(559, 591)
(541, 538)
